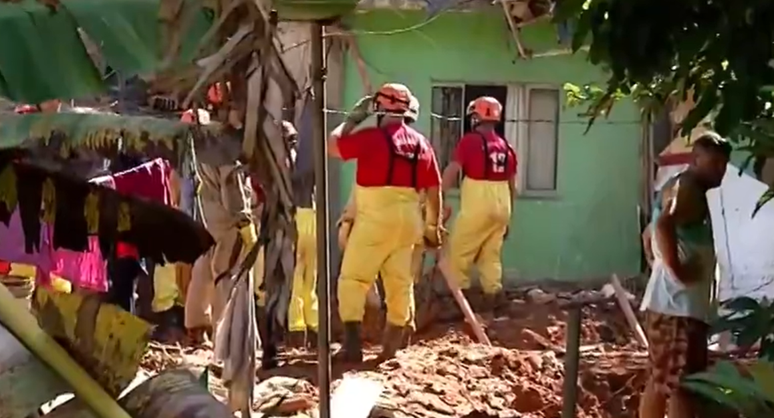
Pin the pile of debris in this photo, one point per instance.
(444, 373)
(453, 377)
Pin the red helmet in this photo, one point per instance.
(215, 94)
(26, 109)
(188, 117)
(486, 109)
(413, 111)
(393, 98)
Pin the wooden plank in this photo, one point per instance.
(25, 382)
(470, 317)
(631, 318)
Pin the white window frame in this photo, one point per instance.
(516, 128)
(519, 95)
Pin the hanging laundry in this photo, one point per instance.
(150, 180)
(87, 270)
(13, 247)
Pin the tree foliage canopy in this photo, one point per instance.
(720, 52)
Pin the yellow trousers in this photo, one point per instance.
(258, 278)
(382, 242)
(165, 291)
(202, 295)
(302, 313)
(478, 233)
(416, 271)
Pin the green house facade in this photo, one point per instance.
(576, 216)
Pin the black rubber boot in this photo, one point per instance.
(392, 341)
(295, 339)
(311, 339)
(268, 344)
(352, 349)
(501, 303)
(408, 333)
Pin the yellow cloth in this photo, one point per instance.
(382, 240)
(302, 313)
(22, 270)
(57, 283)
(477, 235)
(249, 236)
(258, 278)
(165, 291)
(61, 285)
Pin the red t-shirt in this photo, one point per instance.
(371, 149)
(470, 155)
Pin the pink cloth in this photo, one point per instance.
(87, 270)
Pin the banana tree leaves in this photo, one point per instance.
(102, 132)
(42, 54)
(746, 389)
(77, 209)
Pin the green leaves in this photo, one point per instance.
(752, 397)
(765, 198)
(749, 322)
(718, 51)
(42, 55)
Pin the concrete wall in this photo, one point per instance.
(590, 228)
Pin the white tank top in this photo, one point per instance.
(667, 295)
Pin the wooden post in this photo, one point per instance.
(321, 207)
(571, 362)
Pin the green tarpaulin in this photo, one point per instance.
(42, 55)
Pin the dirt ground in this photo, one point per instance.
(443, 373)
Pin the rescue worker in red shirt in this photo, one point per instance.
(394, 164)
(488, 164)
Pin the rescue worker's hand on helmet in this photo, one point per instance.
(362, 110)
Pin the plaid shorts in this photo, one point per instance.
(678, 347)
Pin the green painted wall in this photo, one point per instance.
(590, 229)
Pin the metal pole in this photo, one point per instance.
(321, 204)
(571, 362)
